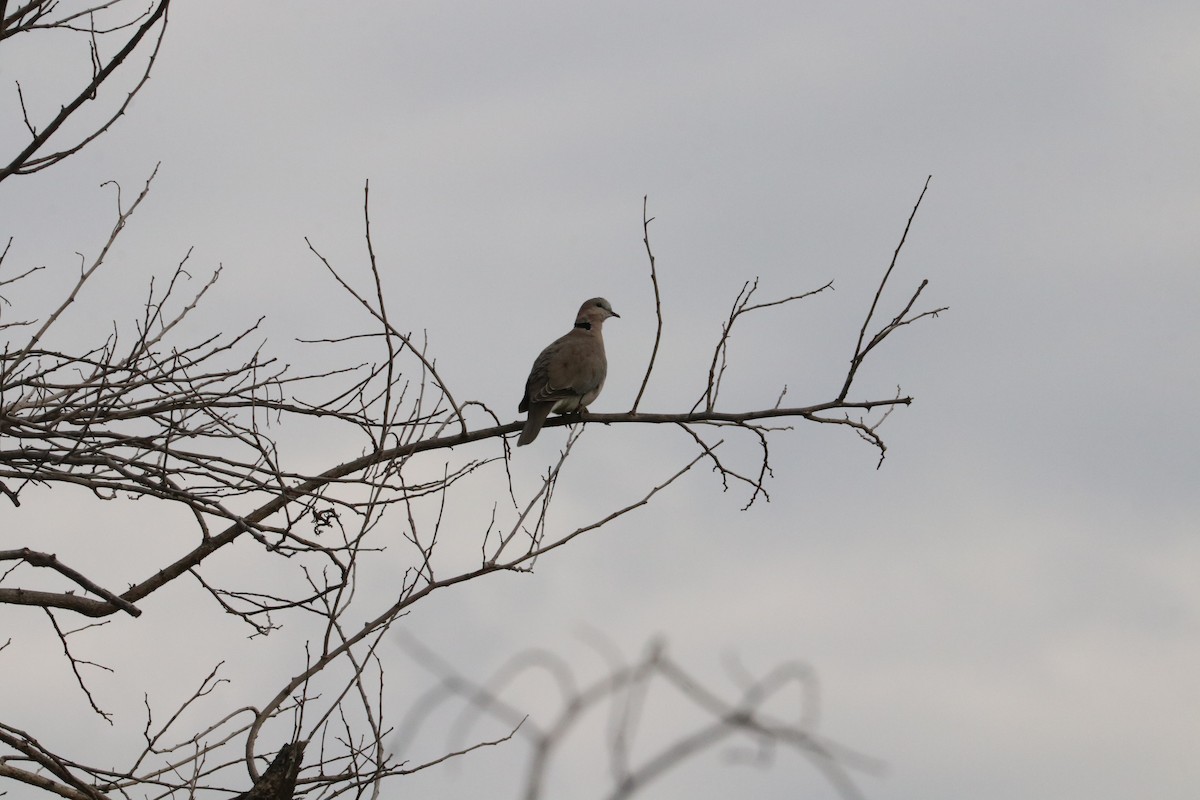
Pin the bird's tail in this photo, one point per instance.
(533, 423)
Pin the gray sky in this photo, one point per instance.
(1008, 608)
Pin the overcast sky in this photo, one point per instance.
(1010, 606)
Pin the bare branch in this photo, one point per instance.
(657, 303)
(741, 306)
(860, 351)
(206, 425)
(27, 160)
(51, 561)
(76, 663)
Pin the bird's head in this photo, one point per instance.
(593, 313)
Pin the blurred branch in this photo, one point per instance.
(621, 694)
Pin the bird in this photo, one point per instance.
(569, 374)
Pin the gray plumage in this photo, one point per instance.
(569, 374)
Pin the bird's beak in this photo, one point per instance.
(615, 314)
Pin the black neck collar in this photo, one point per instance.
(585, 325)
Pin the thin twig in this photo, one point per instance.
(657, 303)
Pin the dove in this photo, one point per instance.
(569, 374)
